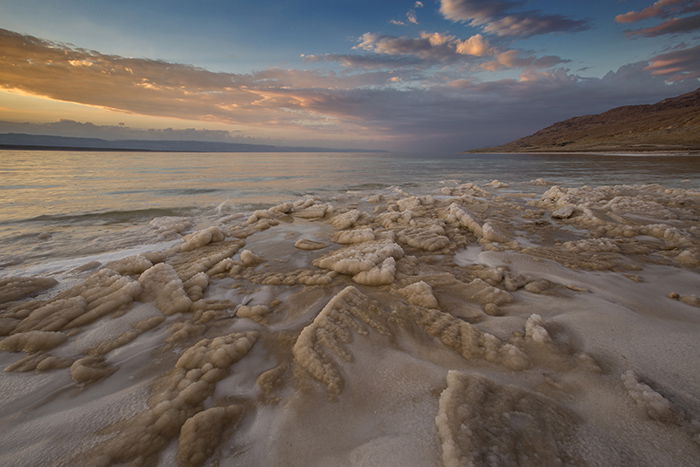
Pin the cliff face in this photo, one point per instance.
(672, 124)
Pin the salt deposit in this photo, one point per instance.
(471, 326)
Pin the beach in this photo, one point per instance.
(351, 310)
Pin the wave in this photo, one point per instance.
(111, 217)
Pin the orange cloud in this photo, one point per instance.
(157, 88)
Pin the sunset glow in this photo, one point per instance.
(362, 76)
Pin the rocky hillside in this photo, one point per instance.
(672, 124)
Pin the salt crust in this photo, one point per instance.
(162, 284)
(180, 396)
(350, 310)
(481, 422)
(176, 281)
(361, 257)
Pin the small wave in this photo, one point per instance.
(26, 187)
(168, 191)
(368, 186)
(112, 217)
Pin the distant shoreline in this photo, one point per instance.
(25, 147)
(7, 147)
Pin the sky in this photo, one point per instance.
(411, 76)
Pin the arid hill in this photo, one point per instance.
(670, 125)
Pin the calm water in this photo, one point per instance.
(64, 203)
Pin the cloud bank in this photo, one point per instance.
(664, 9)
(416, 109)
(660, 9)
(496, 17)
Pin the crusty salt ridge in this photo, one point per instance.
(348, 311)
(162, 283)
(179, 397)
(530, 318)
(481, 422)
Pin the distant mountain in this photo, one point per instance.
(670, 125)
(47, 142)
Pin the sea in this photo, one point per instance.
(61, 207)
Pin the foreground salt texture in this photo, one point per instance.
(468, 326)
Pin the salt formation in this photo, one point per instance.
(32, 341)
(39, 362)
(130, 265)
(254, 312)
(180, 396)
(481, 422)
(326, 336)
(196, 285)
(360, 235)
(54, 315)
(467, 340)
(497, 184)
(90, 369)
(656, 406)
(430, 238)
(102, 293)
(659, 408)
(362, 257)
(381, 274)
(538, 286)
(200, 435)
(692, 300)
(307, 244)
(465, 219)
(140, 347)
(201, 238)
(564, 212)
(190, 263)
(535, 330)
(162, 284)
(484, 293)
(248, 258)
(126, 337)
(492, 233)
(170, 226)
(420, 294)
(16, 288)
(301, 276)
(311, 210)
(345, 220)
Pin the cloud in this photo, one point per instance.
(468, 114)
(378, 108)
(158, 88)
(671, 26)
(496, 18)
(514, 59)
(438, 48)
(411, 16)
(369, 61)
(113, 132)
(679, 65)
(434, 46)
(660, 9)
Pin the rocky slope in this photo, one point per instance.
(670, 125)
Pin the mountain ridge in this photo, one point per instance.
(672, 124)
